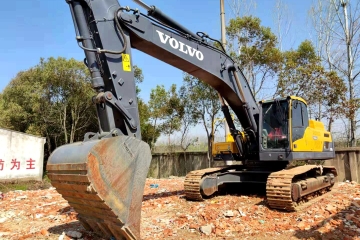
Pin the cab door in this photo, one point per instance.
(299, 123)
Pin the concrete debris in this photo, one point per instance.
(21, 198)
(242, 213)
(47, 197)
(62, 236)
(166, 214)
(330, 209)
(74, 234)
(163, 190)
(229, 213)
(206, 229)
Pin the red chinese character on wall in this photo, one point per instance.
(1, 165)
(30, 164)
(15, 164)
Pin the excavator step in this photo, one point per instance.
(103, 180)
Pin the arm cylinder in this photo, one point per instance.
(82, 29)
(142, 4)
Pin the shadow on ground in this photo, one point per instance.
(72, 226)
(230, 189)
(243, 189)
(345, 224)
(162, 195)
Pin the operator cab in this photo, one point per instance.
(284, 121)
(275, 124)
(287, 133)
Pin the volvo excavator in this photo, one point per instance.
(103, 176)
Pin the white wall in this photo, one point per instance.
(21, 156)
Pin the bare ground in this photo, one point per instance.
(44, 214)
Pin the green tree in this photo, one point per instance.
(139, 78)
(337, 27)
(174, 113)
(157, 109)
(188, 120)
(52, 99)
(303, 75)
(205, 105)
(254, 49)
(148, 132)
(166, 111)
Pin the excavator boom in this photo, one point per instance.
(103, 177)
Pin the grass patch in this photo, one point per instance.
(25, 185)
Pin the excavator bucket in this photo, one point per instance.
(103, 180)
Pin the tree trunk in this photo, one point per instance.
(153, 137)
(64, 126)
(208, 137)
(75, 119)
(48, 143)
(330, 122)
(349, 76)
(209, 151)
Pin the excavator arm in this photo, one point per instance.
(103, 177)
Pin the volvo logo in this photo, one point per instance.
(182, 47)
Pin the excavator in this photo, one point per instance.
(103, 177)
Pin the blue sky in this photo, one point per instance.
(32, 29)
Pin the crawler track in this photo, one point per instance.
(192, 182)
(279, 188)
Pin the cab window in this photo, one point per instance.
(300, 119)
(275, 125)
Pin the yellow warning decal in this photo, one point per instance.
(126, 62)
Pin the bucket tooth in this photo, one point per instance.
(103, 180)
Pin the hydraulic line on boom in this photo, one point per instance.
(103, 177)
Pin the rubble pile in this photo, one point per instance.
(44, 214)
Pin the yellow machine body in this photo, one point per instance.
(313, 136)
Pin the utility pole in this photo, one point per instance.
(222, 19)
(223, 42)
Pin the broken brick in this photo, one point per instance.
(34, 214)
